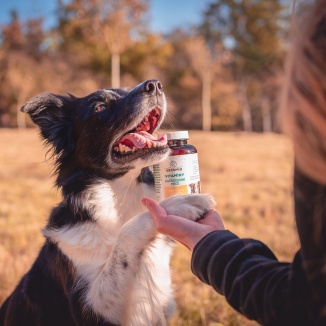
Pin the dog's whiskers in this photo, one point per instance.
(125, 193)
(170, 119)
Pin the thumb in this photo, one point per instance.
(155, 209)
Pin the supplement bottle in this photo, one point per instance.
(179, 173)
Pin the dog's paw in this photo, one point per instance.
(192, 207)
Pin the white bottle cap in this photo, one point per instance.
(177, 135)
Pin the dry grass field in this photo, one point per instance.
(248, 174)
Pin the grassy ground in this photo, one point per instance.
(249, 176)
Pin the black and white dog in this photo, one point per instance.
(102, 262)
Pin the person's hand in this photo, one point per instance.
(185, 231)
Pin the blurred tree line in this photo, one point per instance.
(223, 74)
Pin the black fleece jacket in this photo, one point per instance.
(248, 274)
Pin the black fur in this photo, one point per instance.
(81, 140)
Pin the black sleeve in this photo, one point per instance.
(248, 274)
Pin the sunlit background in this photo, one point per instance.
(221, 66)
(220, 61)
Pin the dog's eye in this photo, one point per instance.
(99, 108)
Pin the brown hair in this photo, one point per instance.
(303, 104)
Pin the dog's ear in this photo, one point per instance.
(48, 112)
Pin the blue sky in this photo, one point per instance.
(165, 15)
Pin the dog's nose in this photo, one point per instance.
(152, 86)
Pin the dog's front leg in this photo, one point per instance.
(112, 290)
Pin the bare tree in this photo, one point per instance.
(244, 103)
(103, 27)
(205, 61)
(116, 21)
(251, 30)
(267, 115)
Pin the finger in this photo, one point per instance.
(176, 227)
(212, 218)
(170, 225)
(155, 209)
(211, 214)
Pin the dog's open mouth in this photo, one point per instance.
(140, 139)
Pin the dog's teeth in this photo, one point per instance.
(149, 144)
(123, 149)
(147, 126)
(126, 149)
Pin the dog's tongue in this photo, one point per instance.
(142, 139)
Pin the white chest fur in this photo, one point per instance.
(120, 260)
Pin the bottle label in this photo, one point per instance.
(177, 175)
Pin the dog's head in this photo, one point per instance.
(110, 130)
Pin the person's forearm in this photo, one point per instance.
(247, 273)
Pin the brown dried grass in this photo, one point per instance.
(248, 174)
